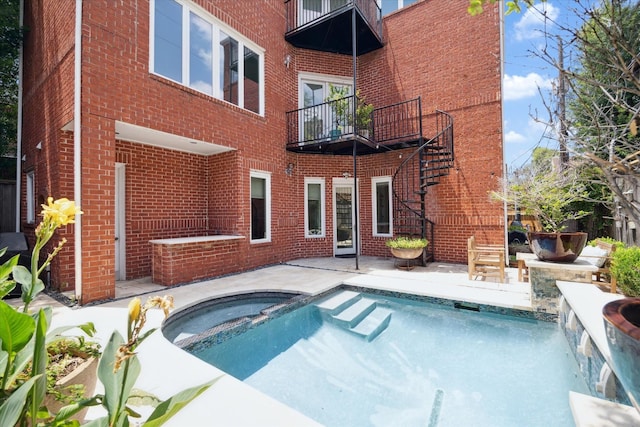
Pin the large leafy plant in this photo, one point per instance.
(24, 337)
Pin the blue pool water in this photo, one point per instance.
(433, 365)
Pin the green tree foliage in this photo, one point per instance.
(476, 6)
(10, 40)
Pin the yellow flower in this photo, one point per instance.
(60, 212)
(134, 310)
(165, 303)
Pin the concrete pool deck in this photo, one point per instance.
(166, 369)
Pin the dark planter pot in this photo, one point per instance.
(557, 247)
(622, 325)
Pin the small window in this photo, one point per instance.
(314, 210)
(31, 209)
(382, 213)
(260, 207)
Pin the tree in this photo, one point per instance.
(603, 82)
(10, 41)
(476, 6)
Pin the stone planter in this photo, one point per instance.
(622, 326)
(406, 253)
(85, 374)
(405, 256)
(557, 247)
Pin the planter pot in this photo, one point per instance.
(622, 326)
(557, 247)
(335, 133)
(85, 374)
(406, 253)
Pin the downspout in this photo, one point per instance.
(19, 124)
(77, 155)
(504, 165)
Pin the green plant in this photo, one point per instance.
(625, 267)
(363, 112)
(119, 369)
(25, 337)
(545, 192)
(340, 102)
(405, 242)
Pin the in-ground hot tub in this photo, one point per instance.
(195, 320)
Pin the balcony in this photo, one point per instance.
(326, 25)
(329, 128)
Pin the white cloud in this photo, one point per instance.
(534, 19)
(519, 87)
(513, 137)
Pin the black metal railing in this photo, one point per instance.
(328, 121)
(398, 122)
(386, 126)
(299, 16)
(419, 170)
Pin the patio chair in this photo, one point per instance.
(485, 260)
(600, 256)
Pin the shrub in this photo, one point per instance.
(617, 243)
(625, 267)
(404, 242)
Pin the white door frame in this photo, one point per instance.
(120, 228)
(345, 182)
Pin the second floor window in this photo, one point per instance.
(194, 49)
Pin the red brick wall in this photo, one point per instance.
(430, 52)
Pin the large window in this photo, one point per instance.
(194, 49)
(260, 207)
(382, 213)
(314, 208)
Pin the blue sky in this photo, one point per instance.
(525, 75)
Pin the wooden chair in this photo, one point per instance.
(485, 260)
(602, 260)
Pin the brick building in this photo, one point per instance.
(203, 126)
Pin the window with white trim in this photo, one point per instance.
(193, 48)
(260, 207)
(31, 205)
(314, 207)
(382, 206)
(318, 122)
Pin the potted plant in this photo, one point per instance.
(363, 115)
(340, 102)
(406, 247)
(550, 195)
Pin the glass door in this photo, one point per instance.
(344, 218)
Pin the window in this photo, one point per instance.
(314, 210)
(194, 49)
(314, 89)
(31, 208)
(382, 213)
(260, 207)
(389, 6)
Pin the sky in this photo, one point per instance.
(525, 77)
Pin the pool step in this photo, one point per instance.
(338, 302)
(355, 313)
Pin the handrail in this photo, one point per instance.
(391, 124)
(298, 17)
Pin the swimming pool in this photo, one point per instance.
(430, 365)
